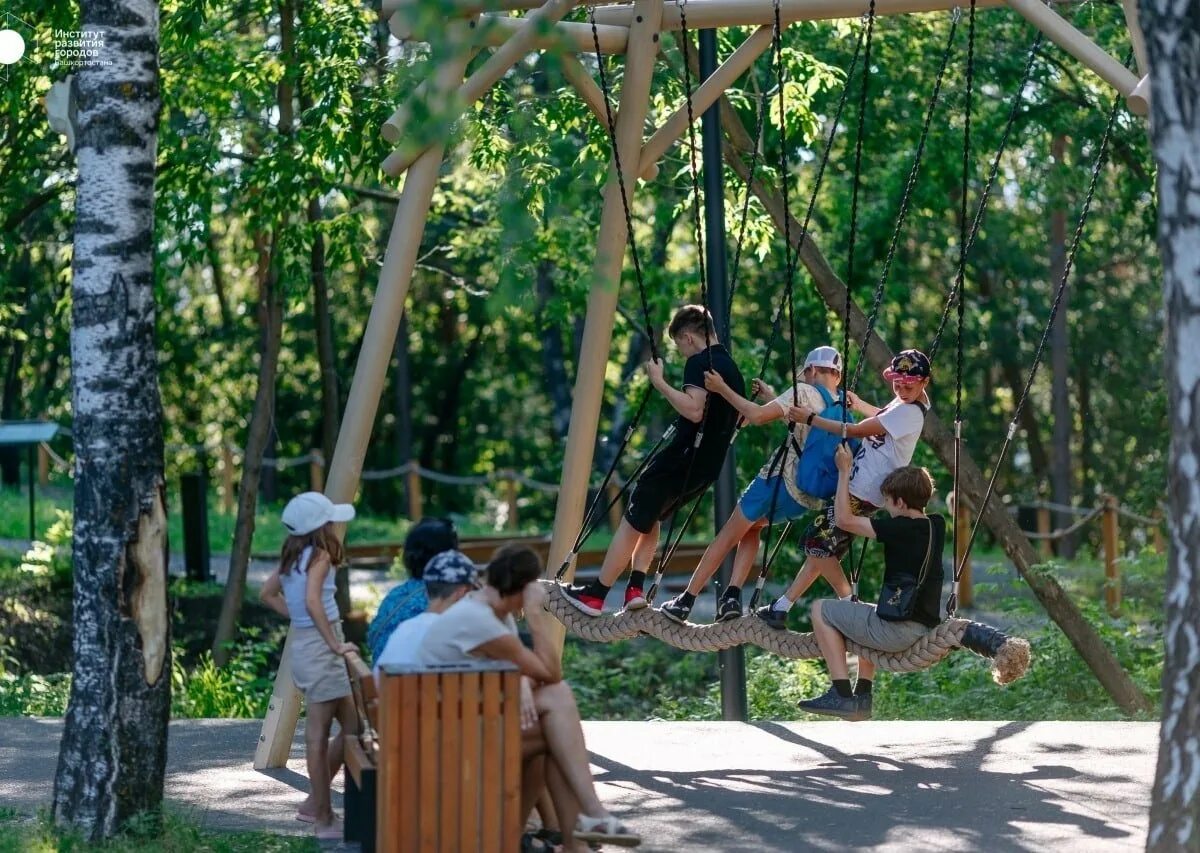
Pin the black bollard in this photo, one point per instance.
(193, 492)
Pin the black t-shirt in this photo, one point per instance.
(905, 543)
(720, 419)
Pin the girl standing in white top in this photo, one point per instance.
(301, 588)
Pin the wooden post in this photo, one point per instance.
(966, 593)
(1112, 577)
(413, 487)
(1046, 546)
(1156, 532)
(274, 751)
(510, 497)
(378, 340)
(606, 276)
(316, 470)
(43, 465)
(226, 479)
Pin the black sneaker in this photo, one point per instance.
(776, 619)
(580, 599)
(729, 608)
(863, 710)
(833, 704)
(676, 610)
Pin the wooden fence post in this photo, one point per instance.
(316, 470)
(510, 497)
(1156, 532)
(1043, 526)
(966, 595)
(414, 494)
(226, 479)
(43, 464)
(1112, 578)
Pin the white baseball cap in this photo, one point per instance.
(824, 357)
(311, 511)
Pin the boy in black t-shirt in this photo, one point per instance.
(912, 559)
(683, 469)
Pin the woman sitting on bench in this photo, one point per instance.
(481, 625)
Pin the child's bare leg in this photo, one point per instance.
(319, 717)
(624, 542)
(747, 550)
(730, 535)
(815, 567)
(643, 554)
(336, 748)
(866, 669)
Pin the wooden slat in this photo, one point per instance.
(471, 759)
(489, 821)
(392, 818)
(355, 760)
(451, 734)
(403, 729)
(511, 786)
(427, 795)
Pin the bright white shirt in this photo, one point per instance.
(404, 644)
(295, 590)
(464, 626)
(880, 455)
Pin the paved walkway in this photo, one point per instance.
(730, 787)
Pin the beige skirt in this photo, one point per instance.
(318, 672)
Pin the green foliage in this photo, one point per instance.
(32, 695)
(175, 833)
(242, 688)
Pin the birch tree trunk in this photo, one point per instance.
(114, 746)
(1173, 42)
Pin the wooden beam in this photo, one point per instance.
(585, 86)
(495, 30)
(497, 65)
(705, 95)
(606, 278)
(1062, 33)
(1136, 37)
(707, 14)
(378, 341)
(462, 7)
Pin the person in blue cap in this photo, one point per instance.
(447, 576)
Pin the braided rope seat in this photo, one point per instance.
(1009, 655)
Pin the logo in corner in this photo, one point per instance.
(12, 43)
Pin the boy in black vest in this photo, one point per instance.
(910, 599)
(683, 469)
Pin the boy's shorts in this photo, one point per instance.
(858, 621)
(824, 539)
(660, 491)
(755, 501)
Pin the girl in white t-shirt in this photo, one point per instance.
(889, 438)
(301, 588)
(482, 625)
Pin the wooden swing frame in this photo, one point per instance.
(633, 30)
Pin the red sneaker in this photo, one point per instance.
(635, 599)
(592, 605)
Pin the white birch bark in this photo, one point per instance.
(1172, 29)
(113, 751)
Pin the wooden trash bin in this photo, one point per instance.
(449, 775)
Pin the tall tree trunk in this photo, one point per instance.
(262, 420)
(218, 277)
(1053, 598)
(326, 355)
(1083, 382)
(1173, 41)
(270, 318)
(113, 753)
(1060, 363)
(554, 362)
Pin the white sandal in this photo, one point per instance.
(607, 830)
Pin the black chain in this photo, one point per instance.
(905, 199)
(960, 280)
(1101, 157)
(858, 149)
(981, 208)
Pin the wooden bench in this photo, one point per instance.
(362, 758)
(449, 767)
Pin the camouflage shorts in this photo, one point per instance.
(824, 539)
